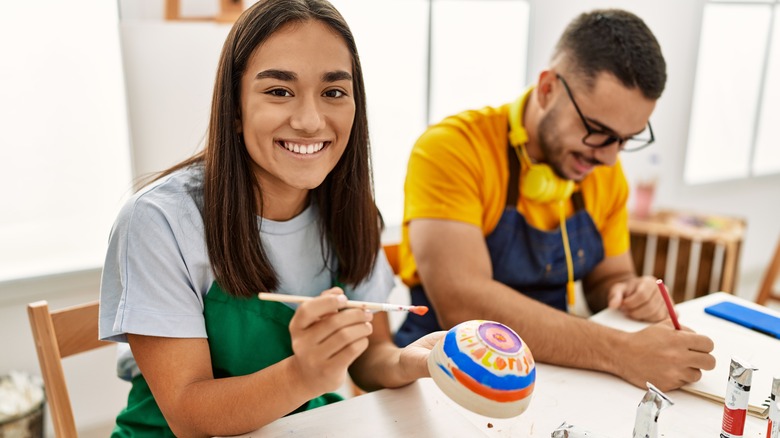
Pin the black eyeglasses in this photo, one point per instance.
(600, 139)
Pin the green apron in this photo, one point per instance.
(245, 335)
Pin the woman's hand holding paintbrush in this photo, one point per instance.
(329, 333)
(325, 342)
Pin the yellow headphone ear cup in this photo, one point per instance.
(541, 184)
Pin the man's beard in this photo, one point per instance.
(551, 155)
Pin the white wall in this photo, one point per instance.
(169, 80)
(169, 107)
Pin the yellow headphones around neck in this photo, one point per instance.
(540, 183)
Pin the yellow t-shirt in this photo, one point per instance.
(458, 170)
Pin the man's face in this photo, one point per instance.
(609, 107)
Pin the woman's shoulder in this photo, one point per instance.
(171, 198)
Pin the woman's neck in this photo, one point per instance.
(283, 206)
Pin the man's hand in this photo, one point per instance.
(414, 357)
(665, 357)
(639, 299)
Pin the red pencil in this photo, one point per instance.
(668, 301)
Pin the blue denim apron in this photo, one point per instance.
(527, 259)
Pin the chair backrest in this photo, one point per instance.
(694, 254)
(391, 251)
(57, 335)
(767, 291)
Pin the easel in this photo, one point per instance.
(229, 10)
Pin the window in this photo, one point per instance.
(64, 159)
(426, 59)
(736, 101)
(478, 54)
(65, 166)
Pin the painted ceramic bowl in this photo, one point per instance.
(485, 367)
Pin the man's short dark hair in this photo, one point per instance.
(617, 42)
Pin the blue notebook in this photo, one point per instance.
(746, 317)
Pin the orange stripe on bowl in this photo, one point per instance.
(490, 393)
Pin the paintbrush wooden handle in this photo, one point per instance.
(282, 298)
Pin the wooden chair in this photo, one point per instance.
(694, 254)
(391, 251)
(768, 291)
(57, 335)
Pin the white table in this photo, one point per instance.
(598, 402)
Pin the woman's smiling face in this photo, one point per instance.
(297, 107)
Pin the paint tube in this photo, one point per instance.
(567, 430)
(646, 424)
(773, 421)
(736, 400)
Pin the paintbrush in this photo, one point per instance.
(385, 307)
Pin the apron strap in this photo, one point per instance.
(578, 201)
(512, 191)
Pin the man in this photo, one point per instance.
(506, 207)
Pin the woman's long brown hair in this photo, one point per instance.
(350, 220)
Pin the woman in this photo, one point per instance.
(279, 200)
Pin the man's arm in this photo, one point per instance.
(454, 266)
